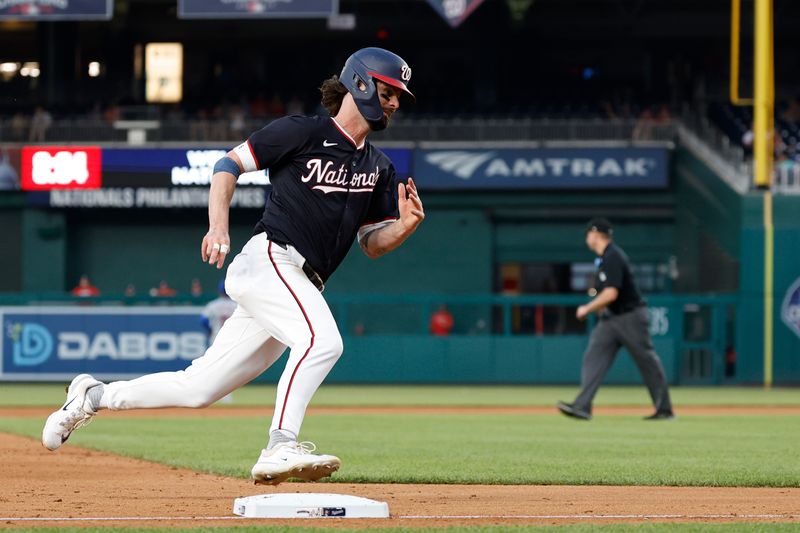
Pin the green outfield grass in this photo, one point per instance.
(475, 448)
(14, 394)
(697, 450)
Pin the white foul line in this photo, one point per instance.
(603, 516)
(429, 517)
(115, 518)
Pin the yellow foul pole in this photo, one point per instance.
(763, 153)
(736, 24)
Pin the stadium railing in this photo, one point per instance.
(693, 332)
(218, 133)
(407, 129)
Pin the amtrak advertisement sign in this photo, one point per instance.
(110, 342)
(542, 168)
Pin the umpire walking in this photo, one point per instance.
(623, 321)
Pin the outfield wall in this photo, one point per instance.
(720, 246)
(54, 342)
(715, 235)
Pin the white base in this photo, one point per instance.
(309, 505)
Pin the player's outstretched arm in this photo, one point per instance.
(387, 238)
(217, 242)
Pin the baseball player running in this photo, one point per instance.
(329, 187)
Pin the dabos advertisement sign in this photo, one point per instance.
(61, 167)
(108, 342)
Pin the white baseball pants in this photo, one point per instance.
(277, 307)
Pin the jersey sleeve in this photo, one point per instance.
(613, 268)
(383, 207)
(275, 142)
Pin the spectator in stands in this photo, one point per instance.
(643, 130)
(199, 128)
(441, 322)
(784, 163)
(608, 110)
(749, 137)
(730, 361)
(648, 119)
(237, 125)
(259, 106)
(196, 288)
(214, 315)
(220, 123)
(40, 123)
(130, 290)
(173, 113)
(9, 179)
(792, 112)
(84, 288)
(295, 106)
(663, 115)
(275, 107)
(112, 113)
(163, 290)
(96, 112)
(786, 170)
(19, 126)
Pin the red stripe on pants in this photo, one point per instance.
(310, 328)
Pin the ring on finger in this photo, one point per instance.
(216, 246)
(224, 249)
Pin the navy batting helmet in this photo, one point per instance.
(358, 75)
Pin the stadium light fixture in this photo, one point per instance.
(30, 68)
(8, 70)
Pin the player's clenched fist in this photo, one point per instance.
(215, 247)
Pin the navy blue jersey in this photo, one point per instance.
(325, 189)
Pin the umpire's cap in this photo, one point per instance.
(599, 224)
(359, 74)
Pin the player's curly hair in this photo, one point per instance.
(333, 92)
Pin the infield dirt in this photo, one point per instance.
(80, 484)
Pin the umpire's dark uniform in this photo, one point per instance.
(624, 322)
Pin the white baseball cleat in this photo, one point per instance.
(293, 460)
(75, 413)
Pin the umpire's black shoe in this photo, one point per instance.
(661, 415)
(570, 410)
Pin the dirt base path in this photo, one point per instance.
(79, 488)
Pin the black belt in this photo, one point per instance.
(626, 309)
(310, 273)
